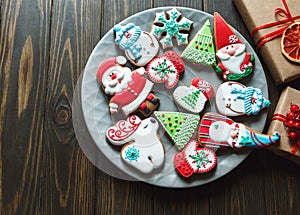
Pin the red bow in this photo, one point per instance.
(281, 24)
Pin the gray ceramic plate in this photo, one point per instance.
(97, 118)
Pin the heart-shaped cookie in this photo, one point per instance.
(193, 159)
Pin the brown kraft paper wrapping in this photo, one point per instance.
(284, 147)
(254, 16)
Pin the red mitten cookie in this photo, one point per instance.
(166, 68)
(194, 97)
(193, 159)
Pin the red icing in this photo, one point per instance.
(182, 165)
(246, 63)
(127, 96)
(206, 122)
(223, 32)
(205, 87)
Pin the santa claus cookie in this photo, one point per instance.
(201, 49)
(171, 24)
(143, 149)
(235, 62)
(130, 91)
(179, 126)
(217, 130)
(193, 159)
(166, 69)
(194, 97)
(235, 99)
(139, 46)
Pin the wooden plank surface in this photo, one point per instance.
(44, 46)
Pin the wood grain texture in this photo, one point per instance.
(44, 46)
(69, 176)
(24, 52)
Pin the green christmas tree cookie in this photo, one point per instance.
(201, 49)
(179, 126)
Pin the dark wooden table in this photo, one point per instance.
(44, 46)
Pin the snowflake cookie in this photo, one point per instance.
(179, 126)
(193, 159)
(171, 24)
(141, 147)
(166, 68)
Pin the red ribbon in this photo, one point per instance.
(289, 121)
(281, 25)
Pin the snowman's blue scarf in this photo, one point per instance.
(131, 44)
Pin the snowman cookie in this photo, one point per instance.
(166, 69)
(129, 91)
(141, 147)
(235, 99)
(219, 131)
(194, 97)
(139, 46)
(193, 159)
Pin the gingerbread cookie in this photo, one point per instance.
(129, 90)
(143, 149)
(217, 130)
(235, 99)
(235, 62)
(193, 159)
(179, 126)
(194, 97)
(139, 46)
(166, 69)
(201, 49)
(171, 24)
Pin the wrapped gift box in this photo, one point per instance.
(284, 147)
(254, 16)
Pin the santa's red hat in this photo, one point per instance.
(108, 64)
(224, 35)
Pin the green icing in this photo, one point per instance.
(200, 159)
(171, 26)
(192, 98)
(162, 69)
(179, 126)
(201, 49)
